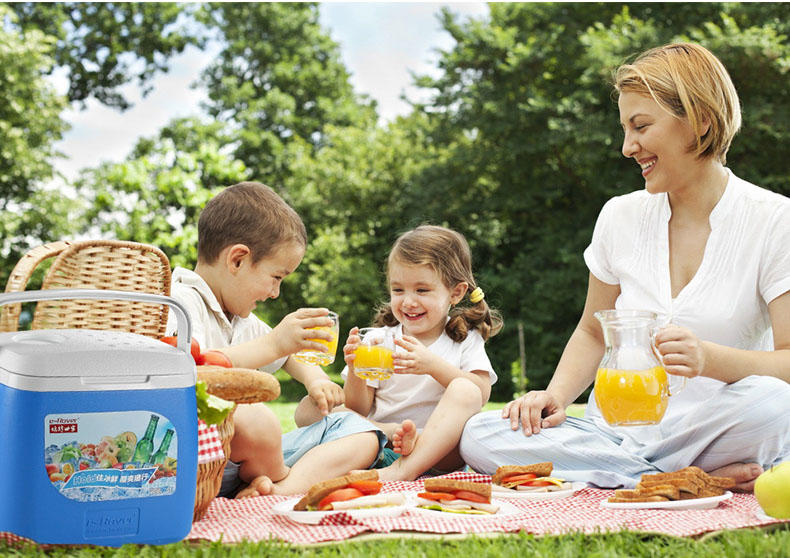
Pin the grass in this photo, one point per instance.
(745, 543)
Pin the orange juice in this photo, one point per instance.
(373, 362)
(632, 397)
(317, 357)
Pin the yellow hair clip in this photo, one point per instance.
(476, 295)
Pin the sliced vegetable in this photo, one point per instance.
(340, 495)
(366, 487)
(471, 496)
(518, 477)
(210, 408)
(436, 496)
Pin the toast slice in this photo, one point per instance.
(666, 491)
(540, 469)
(320, 490)
(450, 485)
(616, 500)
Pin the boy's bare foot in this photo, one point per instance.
(744, 474)
(404, 438)
(260, 486)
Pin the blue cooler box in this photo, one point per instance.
(99, 432)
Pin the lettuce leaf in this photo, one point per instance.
(210, 408)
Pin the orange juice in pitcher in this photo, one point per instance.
(629, 397)
(631, 385)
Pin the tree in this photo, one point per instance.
(524, 108)
(278, 78)
(30, 125)
(156, 195)
(104, 45)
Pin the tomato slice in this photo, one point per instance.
(539, 483)
(471, 496)
(518, 477)
(340, 495)
(217, 358)
(366, 487)
(436, 496)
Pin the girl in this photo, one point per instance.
(442, 373)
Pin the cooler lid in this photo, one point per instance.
(91, 358)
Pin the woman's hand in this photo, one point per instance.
(681, 351)
(414, 358)
(534, 410)
(326, 394)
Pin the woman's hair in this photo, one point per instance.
(688, 81)
(447, 253)
(248, 213)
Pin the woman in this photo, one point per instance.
(710, 254)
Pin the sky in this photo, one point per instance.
(380, 43)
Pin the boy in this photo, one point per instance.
(249, 239)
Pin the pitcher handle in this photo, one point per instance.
(678, 386)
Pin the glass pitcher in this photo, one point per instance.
(631, 385)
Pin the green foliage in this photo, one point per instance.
(156, 196)
(30, 125)
(517, 146)
(104, 45)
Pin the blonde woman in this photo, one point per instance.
(710, 254)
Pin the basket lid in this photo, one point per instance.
(91, 360)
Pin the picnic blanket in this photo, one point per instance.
(252, 519)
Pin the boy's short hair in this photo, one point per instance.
(688, 81)
(248, 213)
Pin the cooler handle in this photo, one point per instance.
(182, 318)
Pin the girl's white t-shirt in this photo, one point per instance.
(414, 396)
(746, 264)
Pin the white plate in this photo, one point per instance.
(502, 492)
(505, 509)
(286, 509)
(693, 504)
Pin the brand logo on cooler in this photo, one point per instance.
(63, 426)
(112, 523)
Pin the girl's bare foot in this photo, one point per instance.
(744, 474)
(404, 438)
(260, 486)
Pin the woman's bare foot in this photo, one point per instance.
(404, 438)
(260, 486)
(744, 474)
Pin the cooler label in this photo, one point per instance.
(92, 457)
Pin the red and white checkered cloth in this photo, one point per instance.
(252, 519)
(209, 443)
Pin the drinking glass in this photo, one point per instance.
(311, 356)
(373, 356)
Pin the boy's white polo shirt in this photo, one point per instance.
(210, 326)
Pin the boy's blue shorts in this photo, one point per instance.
(298, 442)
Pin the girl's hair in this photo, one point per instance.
(447, 253)
(688, 81)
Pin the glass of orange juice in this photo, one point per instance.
(311, 356)
(373, 356)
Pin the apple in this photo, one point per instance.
(772, 490)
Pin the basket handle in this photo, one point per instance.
(182, 318)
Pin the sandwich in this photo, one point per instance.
(528, 478)
(685, 484)
(349, 492)
(454, 496)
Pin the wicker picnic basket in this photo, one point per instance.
(128, 266)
